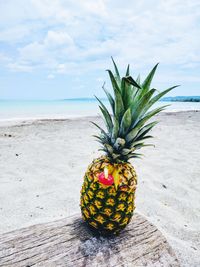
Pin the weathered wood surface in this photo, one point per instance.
(68, 242)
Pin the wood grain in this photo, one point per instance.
(68, 242)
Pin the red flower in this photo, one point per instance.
(105, 178)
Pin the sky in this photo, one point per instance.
(54, 49)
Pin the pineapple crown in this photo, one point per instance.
(126, 125)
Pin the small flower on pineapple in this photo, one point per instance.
(105, 178)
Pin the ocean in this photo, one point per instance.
(29, 109)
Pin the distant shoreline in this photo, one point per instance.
(182, 99)
(90, 99)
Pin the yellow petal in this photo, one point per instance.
(110, 168)
(116, 177)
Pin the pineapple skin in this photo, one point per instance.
(105, 209)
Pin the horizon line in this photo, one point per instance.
(79, 98)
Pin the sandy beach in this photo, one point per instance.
(42, 163)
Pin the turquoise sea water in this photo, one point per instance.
(23, 109)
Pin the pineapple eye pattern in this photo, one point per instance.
(130, 208)
(125, 221)
(124, 188)
(90, 194)
(94, 186)
(100, 219)
(112, 191)
(100, 194)
(86, 213)
(98, 203)
(107, 211)
(92, 209)
(110, 201)
(122, 196)
(110, 226)
(121, 206)
(86, 183)
(94, 224)
(117, 217)
(130, 198)
(127, 174)
(86, 199)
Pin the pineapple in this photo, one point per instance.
(108, 190)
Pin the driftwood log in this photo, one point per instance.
(69, 243)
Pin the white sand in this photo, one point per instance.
(42, 164)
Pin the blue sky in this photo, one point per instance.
(61, 49)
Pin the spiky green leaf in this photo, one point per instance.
(127, 93)
(102, 131)
(158, 96)
(135, 155)
(110, 99)
(126, 151)
(130, 80)
(115, 130)
(147, 82)
(106, 115)
(117, 75)
(147, 116)
(128, 70)
(107, 119)
(126, 122)
(119, 106)
(144, 130)
(138, 107)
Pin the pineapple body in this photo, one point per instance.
(108, 208)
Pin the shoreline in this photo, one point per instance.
(29, 120)
(25, 120)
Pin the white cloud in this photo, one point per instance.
(69, 36)
(4, 59)
(47, 52)
(32, 52)
(50, 76)
(20, 67)
(58, 38)
(14, 34)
